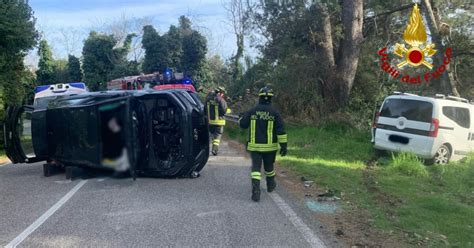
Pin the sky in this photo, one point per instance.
(65, 24)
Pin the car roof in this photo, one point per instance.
(412, 97)
(441, 100)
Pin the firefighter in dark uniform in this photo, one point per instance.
(216, 108)
(266, 130)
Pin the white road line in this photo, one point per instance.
(310, 237)
(45, 216)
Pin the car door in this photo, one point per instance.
(18, 135)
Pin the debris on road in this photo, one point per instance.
(319, 207)
(308, 183)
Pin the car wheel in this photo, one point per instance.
(442, 155)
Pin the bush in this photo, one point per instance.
(408, 164)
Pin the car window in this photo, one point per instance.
(42, 102)
(411, 109)
(459, 115)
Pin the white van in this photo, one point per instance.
(44, 93)
(438, 129)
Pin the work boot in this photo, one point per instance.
(271, 184)
(215, 150)
(255, 190)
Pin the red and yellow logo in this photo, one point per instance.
(415, 36)
(415, 53)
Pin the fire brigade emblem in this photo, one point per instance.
(415, 36)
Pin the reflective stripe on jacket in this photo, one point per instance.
(216, 108)
(266, 128)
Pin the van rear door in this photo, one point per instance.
(406, 116)
(406, 124)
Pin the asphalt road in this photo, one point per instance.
(213, 210)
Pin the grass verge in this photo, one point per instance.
(428, 206)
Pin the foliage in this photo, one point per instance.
(174, 38)
(97, 63)
(28, 82)
(218, 71)
(408, 164)
(181, 48)
(194, 52)
(61, 74)
(74, 69)
(45, 74)
(51, 71)
(17, 36)
(104, 59)
(288, 35)
(156, 50)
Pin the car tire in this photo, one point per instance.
(204, 161)
(442, 156)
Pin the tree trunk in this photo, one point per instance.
(452, 80)
(325, 41)
(240, 52)
(442, 83)
(325, 56)
(352, 21)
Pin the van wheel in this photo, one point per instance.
(442, 155)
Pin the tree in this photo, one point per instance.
(185, 25)
(97, 64)
(174, 39)
(194, 52)
(104, 59)
(123, 67)
(61, 75)
(320, 39)
(238, 13)
(74, 69)
(120, 52)
(156, 51)
(17, 36)
(45, 73)
(181, 48)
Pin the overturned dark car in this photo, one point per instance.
(147, 133)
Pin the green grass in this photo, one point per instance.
(434, 205)
(408, 164)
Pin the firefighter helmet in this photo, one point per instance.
(220, 89)
(265, 92)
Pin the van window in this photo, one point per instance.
(411, 109)
(459, 115)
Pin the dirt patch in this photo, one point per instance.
(387, 201)
(349, 224)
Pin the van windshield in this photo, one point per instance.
(411, 109)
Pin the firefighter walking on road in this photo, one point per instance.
(266, 130)
(216, 108)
